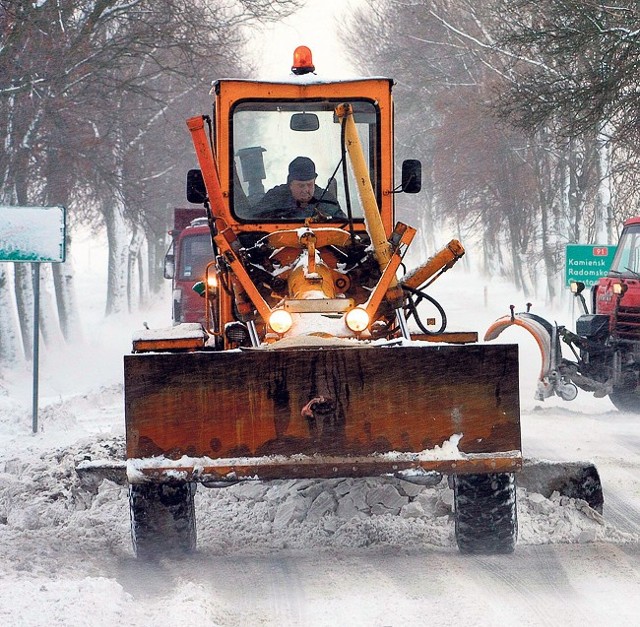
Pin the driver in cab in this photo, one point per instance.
(300, 197)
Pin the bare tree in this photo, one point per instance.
(437, 53)
(550, 81)
(576, 61)
(86, 89)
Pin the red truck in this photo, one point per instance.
(185, 263)
(606, 343)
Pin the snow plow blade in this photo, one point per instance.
(323, 412)
(577, 480)
(539, 328)
(550, 380)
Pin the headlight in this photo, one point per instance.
(357, 319)
(577, 287)
(280, 321)
(619, 288)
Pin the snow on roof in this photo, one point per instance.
(304, 79)
(184, 331)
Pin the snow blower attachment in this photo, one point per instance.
(606, 343)
(306, 366)
(547, 337)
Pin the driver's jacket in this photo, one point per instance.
(278, 203)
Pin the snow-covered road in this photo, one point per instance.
(285, 553)
(65, 553)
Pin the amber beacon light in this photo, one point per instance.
(302, 61)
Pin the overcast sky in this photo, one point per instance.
(314, 25)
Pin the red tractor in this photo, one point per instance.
(606, 343)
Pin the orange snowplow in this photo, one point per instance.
(316, 359)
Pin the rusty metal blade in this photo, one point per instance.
(345, 402)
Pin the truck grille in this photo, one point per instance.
(628, 325)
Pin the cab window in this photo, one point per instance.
(196, 253)
(627, 257)
(268, 135)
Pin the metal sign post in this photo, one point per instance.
(36, 346)
(35, 235)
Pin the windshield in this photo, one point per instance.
(288, 160)
(196, 253)
(627, 257)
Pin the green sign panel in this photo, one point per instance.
(32, 234)
(587, 262)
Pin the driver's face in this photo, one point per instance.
(302, 191)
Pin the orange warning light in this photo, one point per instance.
(302, 61)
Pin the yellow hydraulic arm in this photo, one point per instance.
(440, 262)
(387, 256)
(375, 227)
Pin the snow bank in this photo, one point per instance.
(43, 502)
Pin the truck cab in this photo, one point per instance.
(617, 295)
(262, 134)
(186, 262)
(246, 149)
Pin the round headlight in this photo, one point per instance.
(280, 321)
(357, 319)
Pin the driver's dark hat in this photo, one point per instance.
(301, 169)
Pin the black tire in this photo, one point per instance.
(485, 513)
(626, 400)
(163, 519)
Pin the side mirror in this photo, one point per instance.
(411, 176)
(199, 288)
(304, 122)
(196, 190)
(169, 266)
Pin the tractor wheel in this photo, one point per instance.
(163, 519)
(485, 513)
(626, 400)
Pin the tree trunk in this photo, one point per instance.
(23, 286)
(545, 169)
(68, 312)
(157, 250)
(573, 195)
(117, 238)
(49, 327)
(143, 273)
(57, 193)
(10, 345)
(136, 274)
(603, 208)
